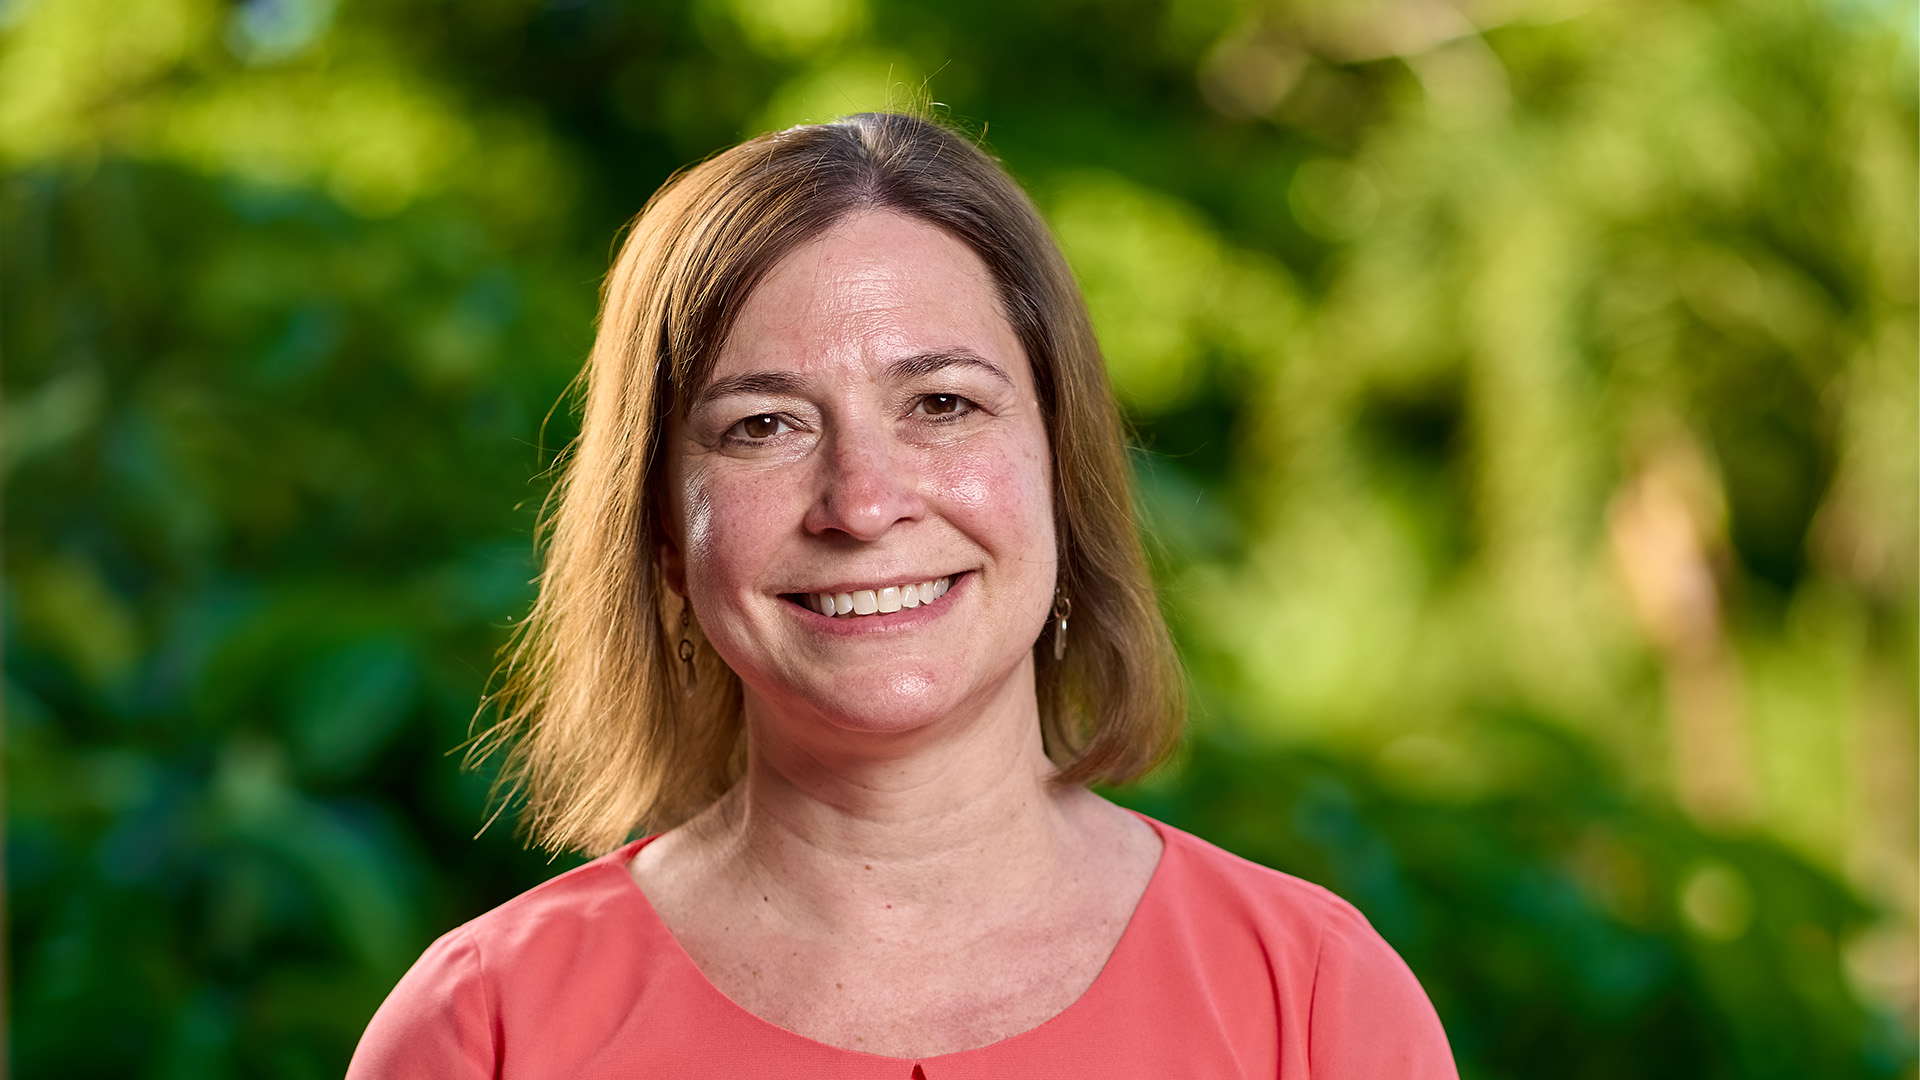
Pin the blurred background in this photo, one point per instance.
(1526, 406)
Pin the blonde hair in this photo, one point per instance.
(602, 739)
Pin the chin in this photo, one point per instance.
(897, 702)
(883, 703)
(895, 695)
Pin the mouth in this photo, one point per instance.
(858, 603)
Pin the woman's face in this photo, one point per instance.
(870, 435)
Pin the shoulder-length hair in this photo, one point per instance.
(603, 736)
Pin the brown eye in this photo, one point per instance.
(760, 427)
(940, 404)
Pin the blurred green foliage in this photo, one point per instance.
(1526, 394)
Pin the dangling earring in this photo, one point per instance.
(1062, 607)
(688, 677)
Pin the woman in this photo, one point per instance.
(843, 586)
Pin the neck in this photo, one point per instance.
(947, 817)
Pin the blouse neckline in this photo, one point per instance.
(1112, 971)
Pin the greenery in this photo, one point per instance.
(1526, 397)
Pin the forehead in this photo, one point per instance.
(872, 288)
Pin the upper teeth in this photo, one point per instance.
(881, 601)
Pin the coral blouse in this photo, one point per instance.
(1227, 969)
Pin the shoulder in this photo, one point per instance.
(1349, 1005)
(447, 1014)
(1223, 886)
(560, 918)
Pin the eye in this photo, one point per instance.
(759, 428)
(943, 405)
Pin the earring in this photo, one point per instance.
(1062, 607)
(688, 677)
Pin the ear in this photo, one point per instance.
(668, 554)
(673, 568)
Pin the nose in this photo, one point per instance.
(870, 484)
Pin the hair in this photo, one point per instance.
(603, 736)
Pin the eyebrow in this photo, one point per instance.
(749, 382)
(786, 382)
(927, 363)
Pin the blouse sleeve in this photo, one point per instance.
(436, 1023)
(1370, 1018)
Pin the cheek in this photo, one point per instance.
(1005, 492)
(706, 531)
(725, 525)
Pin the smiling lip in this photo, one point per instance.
(861, 603)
